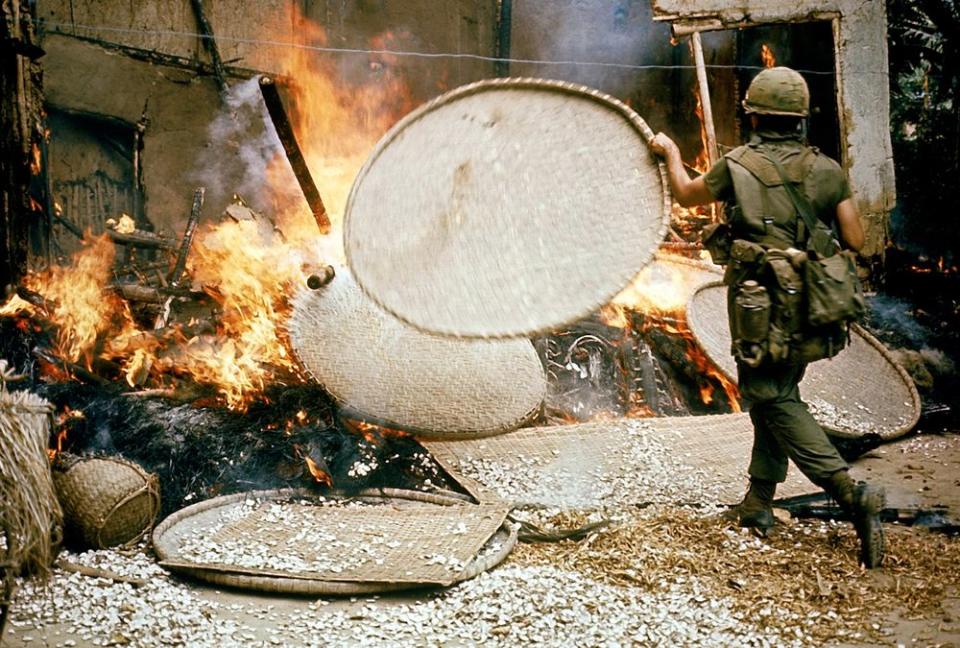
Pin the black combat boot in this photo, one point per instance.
(863, 503)
(756, 509)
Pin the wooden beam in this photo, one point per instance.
(704, 90)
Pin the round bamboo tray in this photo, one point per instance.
(861, 390)
(506, 208)
(169, 536)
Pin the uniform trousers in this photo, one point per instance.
(783, 426)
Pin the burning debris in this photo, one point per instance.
(637, 357)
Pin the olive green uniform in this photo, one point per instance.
(783, 426)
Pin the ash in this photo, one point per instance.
(201, 452)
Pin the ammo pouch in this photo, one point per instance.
(717, 239)
(770, 318)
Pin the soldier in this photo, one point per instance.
(765, 214)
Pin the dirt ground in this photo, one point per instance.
(920, 471)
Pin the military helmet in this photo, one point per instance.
(778, 91)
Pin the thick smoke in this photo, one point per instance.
(241, 147)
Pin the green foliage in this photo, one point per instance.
(924, 38)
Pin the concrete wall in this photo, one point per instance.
(860, 35)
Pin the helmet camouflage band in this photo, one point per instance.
(778, 91)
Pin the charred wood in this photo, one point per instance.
(143, 239)
(154, 295)
(278, 116)
(177, 273)
(210, 43)
(35, 298)
(82, 373)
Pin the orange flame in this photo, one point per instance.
(36, 160)
(63, 420)
(82, 310)
(661, 290)
(249, 267)
(767, 56)
(319, 475)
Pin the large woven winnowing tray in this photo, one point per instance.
(505, 208)
(295, 541)
(387, 372)
(861, 390)
(689, 459)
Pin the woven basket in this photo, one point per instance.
(563, 466)
(859, 391)
(387, 373)
(169, 534)
(107, 501)
(506, 208)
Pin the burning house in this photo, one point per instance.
(177, 287)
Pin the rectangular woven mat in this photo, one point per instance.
(575, 466)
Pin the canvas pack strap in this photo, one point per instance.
(800, 202)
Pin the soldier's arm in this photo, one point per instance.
(687, 192)
(848, 219)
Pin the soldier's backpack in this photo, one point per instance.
(796, 269)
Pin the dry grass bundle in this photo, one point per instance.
(30, 514)
(805, 575)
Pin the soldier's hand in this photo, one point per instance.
(662, 145)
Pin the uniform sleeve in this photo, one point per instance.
(835, 188)
(843, 191)
(719, 182)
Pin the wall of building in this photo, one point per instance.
(101, 62)
(863, 95)
(614, 33)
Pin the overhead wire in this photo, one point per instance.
(60, 27)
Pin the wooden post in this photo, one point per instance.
(504, 27)
(21, 103)
(210, 43)
(704, 89)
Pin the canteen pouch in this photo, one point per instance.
(786, 294)
(820, 344)
(834, 294)
(751, 323)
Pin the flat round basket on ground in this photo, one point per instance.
(506, 208)
(107, 501)
(859, 391)
(297, 542)
(386, 372)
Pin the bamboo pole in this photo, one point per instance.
(704, 90)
